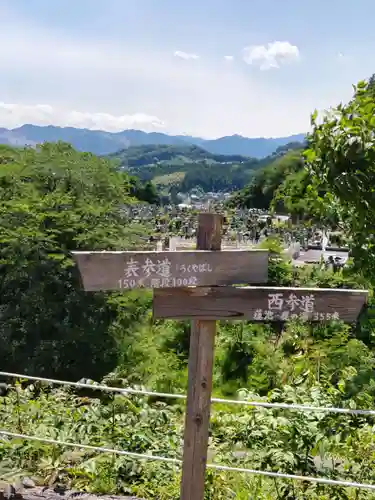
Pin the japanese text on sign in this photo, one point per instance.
(292, 307)
(160, 273)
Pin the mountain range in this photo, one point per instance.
(103, 143)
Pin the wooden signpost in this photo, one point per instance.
(196, 285)
(126, 270)
(259, 304)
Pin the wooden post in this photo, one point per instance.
(201, 354)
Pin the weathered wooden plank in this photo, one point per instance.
(201, 355)
(124, 270)
(265, 304)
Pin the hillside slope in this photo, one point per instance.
(268, 179)
(136, 156)
(186, 167)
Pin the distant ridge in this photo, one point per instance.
(102, 143)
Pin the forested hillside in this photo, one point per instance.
(138, 156)
(270, 182)
(188, 167)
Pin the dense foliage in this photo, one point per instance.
(138, 156)
(319, 366)
(176, 168)
(265, 183)
(341, 162)
(55, 200)
(186, 167)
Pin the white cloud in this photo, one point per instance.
(110, 79)
(15, 115)
(185, 55)
(272, 55)
(229, 58)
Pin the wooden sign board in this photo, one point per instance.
(260, 304)
(126, 270)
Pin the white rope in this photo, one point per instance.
(285, 406)
(260, 404)
(90, 447)
(280, 475)
(94, 386)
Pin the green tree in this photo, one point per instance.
(341, 161)
(260, 192)
(55, 200)
(144, 192)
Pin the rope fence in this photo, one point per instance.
(260, 404)
(140, 456)
(176, 461)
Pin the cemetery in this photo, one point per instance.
(175, 227)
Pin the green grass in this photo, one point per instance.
(168, 179)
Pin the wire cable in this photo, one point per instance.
(260, 404)
(140, 456)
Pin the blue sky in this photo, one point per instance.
(199, 67)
